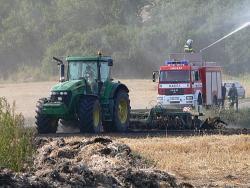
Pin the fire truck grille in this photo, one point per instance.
(174, 91)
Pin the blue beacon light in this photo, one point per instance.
(182, 62)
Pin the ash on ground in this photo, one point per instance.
(91, 162)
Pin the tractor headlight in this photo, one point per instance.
(61, 93)
(59, 98)
(53, 93)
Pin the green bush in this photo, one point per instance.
(15, 140)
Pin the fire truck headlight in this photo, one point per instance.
(189, 97)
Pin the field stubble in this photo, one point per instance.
(206, 160)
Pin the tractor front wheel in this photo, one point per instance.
(121, 111)
(89, 113)
(44, 123)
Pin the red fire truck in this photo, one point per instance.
(186, 81)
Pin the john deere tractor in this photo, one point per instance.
(86, 97)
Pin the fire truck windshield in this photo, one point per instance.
(175, 76)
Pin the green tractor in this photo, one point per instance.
(86, 97)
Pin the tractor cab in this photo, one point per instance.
(93, 70)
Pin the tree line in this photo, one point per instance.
(138, 34)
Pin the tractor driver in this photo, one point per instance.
(91, 77)
(89, 73)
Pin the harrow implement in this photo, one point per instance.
(162, 118)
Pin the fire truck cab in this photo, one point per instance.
(186, 81)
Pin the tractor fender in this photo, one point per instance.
(116, 88)
(109, 109)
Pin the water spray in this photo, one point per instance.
(228, 35)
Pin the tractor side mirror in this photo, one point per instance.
(61, 69)
(62, 78)
(154, 75)
(110, 62)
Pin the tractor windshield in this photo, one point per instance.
(87, 70)
(175, 76)
(82, 69)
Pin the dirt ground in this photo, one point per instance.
(142, 94)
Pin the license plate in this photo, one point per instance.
(174, 98)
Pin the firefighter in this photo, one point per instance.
(199, 104)
(223, 94)
(188, 46)
(233, 96)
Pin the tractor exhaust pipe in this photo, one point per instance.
(61, 69)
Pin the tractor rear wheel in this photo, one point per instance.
(121, 111)
(89, 113)
(44, 123)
